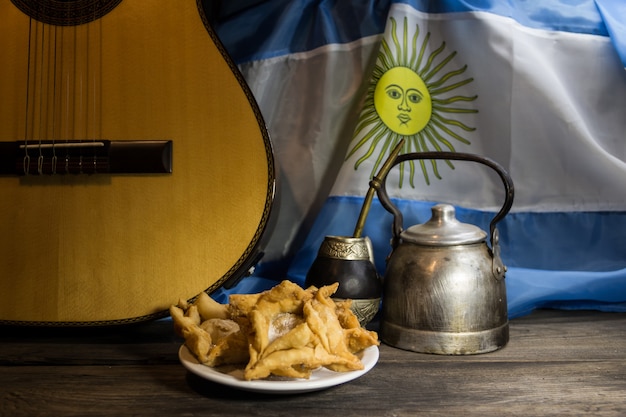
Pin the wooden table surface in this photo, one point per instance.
(556, 363)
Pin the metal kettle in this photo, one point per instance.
(444, 289)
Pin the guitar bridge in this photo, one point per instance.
(86, 157)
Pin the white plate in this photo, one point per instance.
(320, 379)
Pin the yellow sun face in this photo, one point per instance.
(402, 101)
(411, 96)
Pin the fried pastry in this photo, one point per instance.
(285, 331)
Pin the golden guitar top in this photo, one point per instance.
(135, 167)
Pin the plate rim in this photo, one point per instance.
(288, 386)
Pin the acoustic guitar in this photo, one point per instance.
(135, 166)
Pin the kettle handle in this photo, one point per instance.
(379, 185)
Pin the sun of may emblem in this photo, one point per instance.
(411, 96)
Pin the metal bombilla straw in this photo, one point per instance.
(375, 184)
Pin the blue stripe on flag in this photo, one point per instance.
(298, 26)
(529, 289)
(573, 257)
(305, 25)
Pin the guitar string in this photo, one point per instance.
(53, 159)
(98, 81)
(91, 77)
(78, 96)
(66, 113)
(41, 50)
(26, 161)
(93, 69)
(77, 110)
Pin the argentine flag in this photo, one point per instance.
(538, 86)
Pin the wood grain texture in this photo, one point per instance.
(557, 363)
(79, 248)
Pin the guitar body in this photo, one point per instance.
(100, 249)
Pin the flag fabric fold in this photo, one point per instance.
(539, 87)
(612, 13)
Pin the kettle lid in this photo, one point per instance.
(443, 229)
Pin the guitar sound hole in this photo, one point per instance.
(66, 12)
